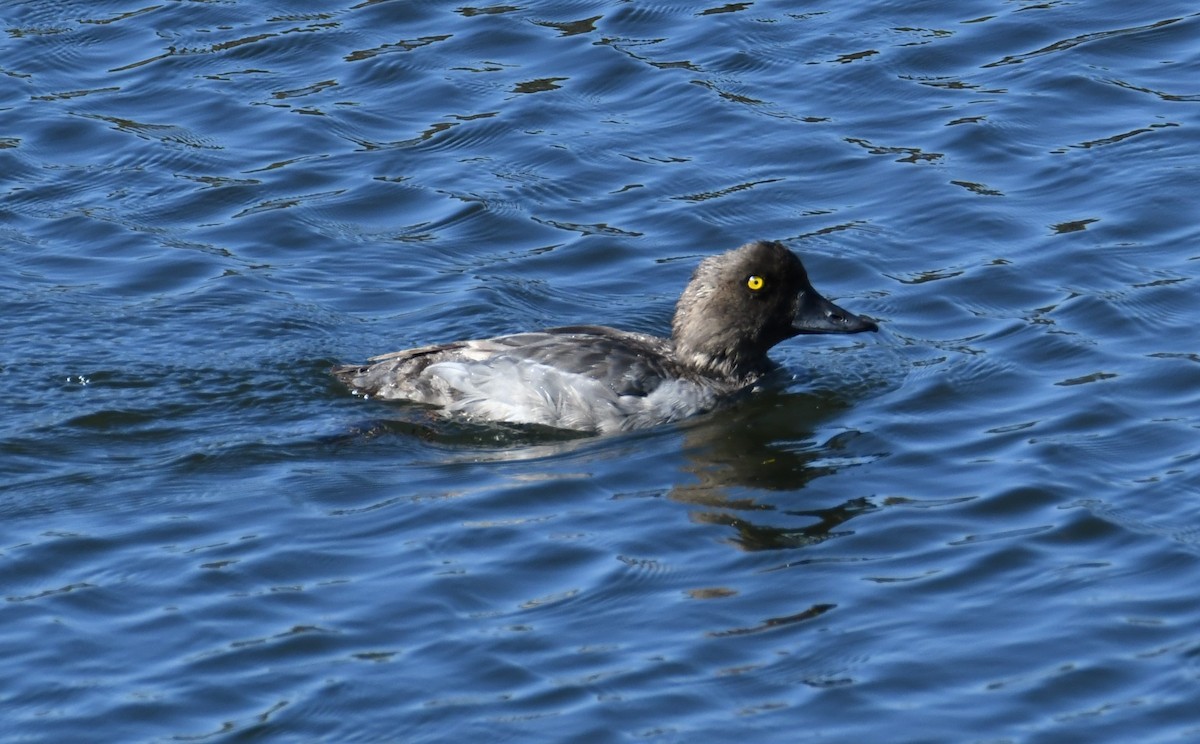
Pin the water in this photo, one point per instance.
(981, 524)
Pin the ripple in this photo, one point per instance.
(910, 154)
(776, 622)
(166, 133)
(1070, 43)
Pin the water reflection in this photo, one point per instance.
(728, 437)
(769, 444)
(752, 537)
(490, 441)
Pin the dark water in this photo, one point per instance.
(982, 524)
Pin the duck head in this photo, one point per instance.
(740, 304)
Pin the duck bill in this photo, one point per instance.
(815, 314)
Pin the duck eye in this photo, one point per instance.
(755, 283)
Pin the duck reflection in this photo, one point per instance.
(768, 444)
(765, 442)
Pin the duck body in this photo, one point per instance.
(598, 379)
(585, 378)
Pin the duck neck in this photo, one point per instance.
(724, 356)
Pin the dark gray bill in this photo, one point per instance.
(815, 314)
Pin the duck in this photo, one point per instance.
(596, 379)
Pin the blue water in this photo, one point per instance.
(981, 524)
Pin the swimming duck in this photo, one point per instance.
(597, 379)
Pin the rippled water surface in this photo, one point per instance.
(981, 524)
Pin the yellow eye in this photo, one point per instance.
(755, 283)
